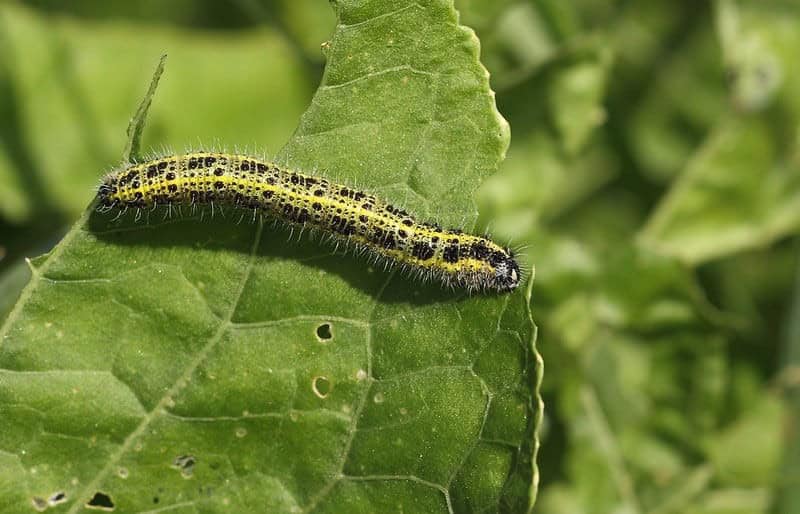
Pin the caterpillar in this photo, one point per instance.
(347, 214)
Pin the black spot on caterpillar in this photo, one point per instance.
(449, 256)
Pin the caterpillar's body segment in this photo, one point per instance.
(454, 258)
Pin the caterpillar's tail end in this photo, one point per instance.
(106, 192)
(103, 191)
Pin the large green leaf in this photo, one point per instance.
(201, 366)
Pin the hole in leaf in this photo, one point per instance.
(100, 501)
(324, 332)
(186, 464)
(56, 498)
(321, 386)
(39, 504)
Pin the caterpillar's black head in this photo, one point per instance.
(506, 271)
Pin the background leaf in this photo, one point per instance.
(208, 365)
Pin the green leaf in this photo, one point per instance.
(575, 96)
(738, 462)
(132, 151)
(209, 366)
(737, 192)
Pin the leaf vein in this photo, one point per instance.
(163, 402)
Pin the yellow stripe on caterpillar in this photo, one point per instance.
(450, 256)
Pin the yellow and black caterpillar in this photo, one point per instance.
(449, 256)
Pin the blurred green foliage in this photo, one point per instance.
(653, 176)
